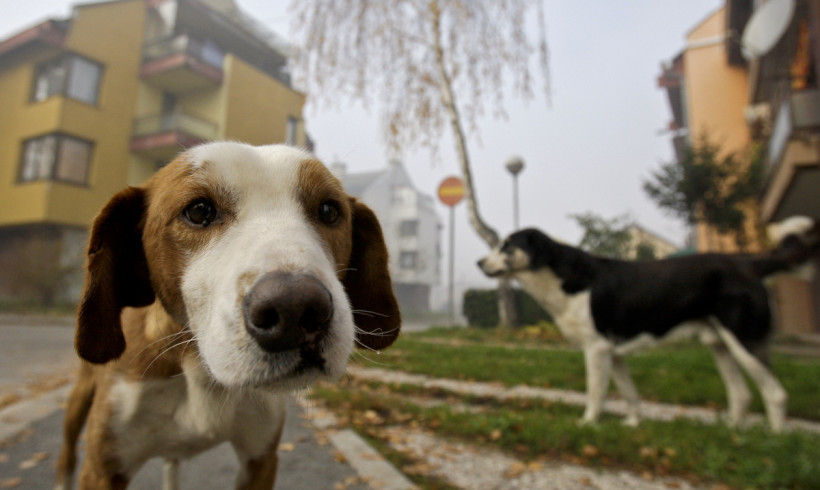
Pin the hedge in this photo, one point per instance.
(480, 307)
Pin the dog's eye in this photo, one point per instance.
(200, 213)
(329, 213)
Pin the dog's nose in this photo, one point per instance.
(480, 263)
(284, 311)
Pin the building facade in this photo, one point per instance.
(411, 229)
(771, 98)
(707, 86)
(100, 100)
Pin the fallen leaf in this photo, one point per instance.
(590, 451)
(647, 452)
(373, 418)
(495, 435)
(418, 469)
(11, 482)
(287, 446)
(585, 481)
(4, 458)
(339, 457)
(515, 470)
(535, 466)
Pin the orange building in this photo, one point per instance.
(771, 99)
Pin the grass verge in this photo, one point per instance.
(534, 430)
(680, 374)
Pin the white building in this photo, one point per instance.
(410, 225)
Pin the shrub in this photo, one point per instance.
(480, 307)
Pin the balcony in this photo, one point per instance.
(160, 137)
(182, 64)
(798, 113)
(794, 157)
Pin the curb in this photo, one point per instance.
(371, 466)
(368, 463)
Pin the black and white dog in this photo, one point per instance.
(613, 307)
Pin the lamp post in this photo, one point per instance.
(515, 165)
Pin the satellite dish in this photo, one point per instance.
(767, 25)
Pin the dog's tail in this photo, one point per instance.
(797, 246)
(79, 404)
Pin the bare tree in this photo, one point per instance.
(431, 63)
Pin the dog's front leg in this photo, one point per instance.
(170, 474)
(598, 360)
(256, 442)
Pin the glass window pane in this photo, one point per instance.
(38, 158)
(72, 163)
(50, 80)
(85, 77)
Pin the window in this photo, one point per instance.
(409, 228)
(407, 260)
(56, 157)
(293, 125)
(73, 76)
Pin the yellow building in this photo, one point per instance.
(99, 101)
(771, 98)
(707, 84)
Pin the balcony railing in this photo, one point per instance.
(177, 121)
(796, 112)
(161, 136)
(205, 51)
(182, 64)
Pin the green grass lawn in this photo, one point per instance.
(681, 374)
(533, 429)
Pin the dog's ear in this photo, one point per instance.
(367, 282)
(117, 277)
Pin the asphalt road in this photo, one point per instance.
(308, 465)
(30, 352)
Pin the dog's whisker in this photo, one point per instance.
(167, 337)
(184, 342)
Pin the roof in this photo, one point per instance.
(356, 184)
(49, 33)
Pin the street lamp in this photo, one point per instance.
(515, 165)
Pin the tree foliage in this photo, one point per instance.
(607, 238)
(710, 186)
(431, 64)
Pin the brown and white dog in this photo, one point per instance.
(235, 275)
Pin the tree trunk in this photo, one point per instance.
(506, 301)
(507, 310)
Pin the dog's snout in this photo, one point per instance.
(284, 311)
(480, 263)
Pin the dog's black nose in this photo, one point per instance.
(480, 263)
(285, 311)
